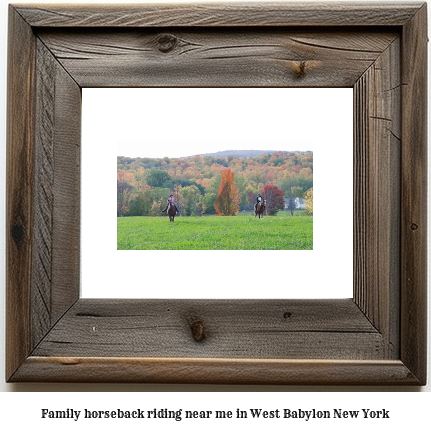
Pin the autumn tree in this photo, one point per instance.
(156, 207)
(124, 190)
(159, 198)
(192, 200)
(291, 180)
(140, 205)
(309, 201)
(274, 198)
(242, 183)
(228, 196)
(139, 180)
(208, 202)
(158, 178)
(296, 192)
(178, 195)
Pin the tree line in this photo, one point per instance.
(212, 185)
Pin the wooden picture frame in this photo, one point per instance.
(378, 337)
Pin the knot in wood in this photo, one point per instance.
(197, 328)
(18, 233)
(167, 42)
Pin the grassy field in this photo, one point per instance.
(243, 232)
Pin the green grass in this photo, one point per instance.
(244, 232)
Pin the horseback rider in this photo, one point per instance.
(258, 200)
(171, 200)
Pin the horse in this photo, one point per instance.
(259, 209)
(171, 211)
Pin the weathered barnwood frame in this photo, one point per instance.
(378, 337)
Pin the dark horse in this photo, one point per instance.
(172, 211)
(259, 209)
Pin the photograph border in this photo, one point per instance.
(376, 338)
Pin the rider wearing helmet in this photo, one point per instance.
(258, 199)
(171, 200)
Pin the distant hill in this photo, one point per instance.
(244, 153)
(238, 153)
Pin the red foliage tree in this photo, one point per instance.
(274, 198)
(228, 195)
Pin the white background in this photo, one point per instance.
(411, 410)
(317, 119)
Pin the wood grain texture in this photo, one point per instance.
(43, 194)
(55, 278)
(214, 57)
(67, 194)
(52, 336)
(234, 329)
(216, 371)
(19, 200)
(377, 149)
(220, 15)
(414, 195)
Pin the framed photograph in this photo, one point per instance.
(376, 337)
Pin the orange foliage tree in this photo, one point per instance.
(228, 196)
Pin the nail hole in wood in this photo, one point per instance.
(287, 314)
(300, 69)
(414, 226)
